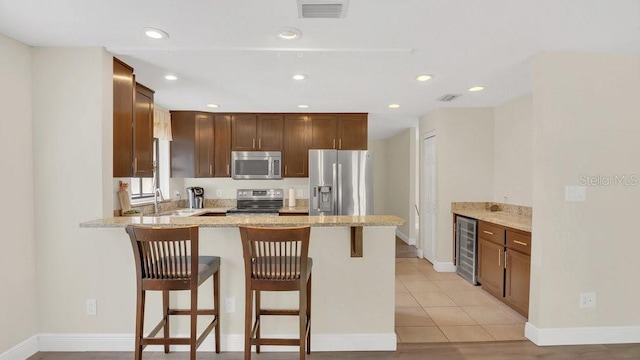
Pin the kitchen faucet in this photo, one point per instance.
(157, 193)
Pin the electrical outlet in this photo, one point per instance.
(230, 305)
(588, 300)
(299, 193)
(219, 193)
(92, 307)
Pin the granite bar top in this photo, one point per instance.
(189, 217)
(512, 216)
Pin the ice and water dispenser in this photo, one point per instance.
(322, 199)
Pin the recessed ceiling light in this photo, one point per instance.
(302, 106)
(476, 88)
(213, 105)
(289, 33)
(394, 106)
(155, 33)
(423, 77)
(299, 77)
(171, 77)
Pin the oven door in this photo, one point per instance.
(256, 165)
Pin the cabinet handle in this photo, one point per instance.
(334, 143)
(227, 169)
(487, 232)
(340, 144)
(520, 243)
(286, 168)
(253, 144)
(260, 143)
(506, 259)
(499, 257)
(210, 169)
(135, 166)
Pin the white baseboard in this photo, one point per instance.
(405, 238)
(444, 266)
(583, 335)
(232, 342)
(22, 350)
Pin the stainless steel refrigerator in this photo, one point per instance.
(340, 182)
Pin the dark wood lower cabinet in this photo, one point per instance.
(504, 264)
(517, 280)
(491, 267)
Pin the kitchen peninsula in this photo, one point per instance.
(353, 297)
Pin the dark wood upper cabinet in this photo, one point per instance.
(123, 100)
(339, 131)
(192, 145)
(222, 145)
(352, 132)
(323, 131)
(143, 132)
(244, 132)
(270, 132)
(296, 145)
(256, 132)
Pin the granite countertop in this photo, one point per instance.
(184, 217)
(295, 210)
(512, 216)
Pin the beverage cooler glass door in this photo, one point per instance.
(466, 249)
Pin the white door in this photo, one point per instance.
(429, 204)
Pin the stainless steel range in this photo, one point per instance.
(258, 202)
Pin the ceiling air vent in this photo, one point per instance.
(322, 9)
(449, 97)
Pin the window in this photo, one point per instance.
(142, 188)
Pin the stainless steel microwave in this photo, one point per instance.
(256, 165)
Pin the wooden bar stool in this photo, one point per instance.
(276, 259)
(167, 259)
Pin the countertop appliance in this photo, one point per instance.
(256, 165)
(466, 248)
(258, 202)
(340, 182)
(196, 197)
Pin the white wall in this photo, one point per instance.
(18, 308)
(513, 152)
(72, 118)
(400, 173)
(464, 165)
(586, 116)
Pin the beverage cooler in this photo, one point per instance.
(467, 249)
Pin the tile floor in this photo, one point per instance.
(442, 307)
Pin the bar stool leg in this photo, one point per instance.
(216, 300)
(194, 324)
(248, 304)
(309, 315)
(139, 323)
(165, 313)
(302, 319)
(258, 322)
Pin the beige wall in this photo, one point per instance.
(586, 113)
(72, 117)
(464, 165)
(380, 178)
(513, 151)
(18, 308)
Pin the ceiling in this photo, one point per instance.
(226, 52)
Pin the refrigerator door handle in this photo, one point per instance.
(339, 192)
(334, 191)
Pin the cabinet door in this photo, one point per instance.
(517, 274)
(244, 132)
(296, 146)
(143, 133)
(352, 132)
(491, 267)
(323, 131)
(204, 145)
(270, 132)
(222, 146)
(123, 98)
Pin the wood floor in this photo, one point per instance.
(520, 350)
